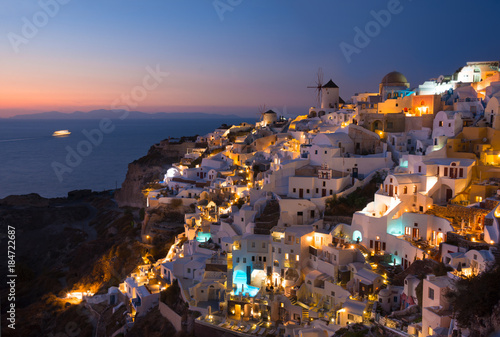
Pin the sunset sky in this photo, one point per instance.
(262, 52)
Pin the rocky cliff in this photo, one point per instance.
(150, 168)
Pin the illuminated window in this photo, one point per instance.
(297, 257)
(286, 256)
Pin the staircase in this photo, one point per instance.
(293, 299)
(305, 314)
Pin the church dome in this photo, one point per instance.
(394, 78)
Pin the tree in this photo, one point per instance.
(476, 301)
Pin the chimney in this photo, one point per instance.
(431, 277)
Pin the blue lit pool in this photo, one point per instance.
(240, 280)
(203, 237)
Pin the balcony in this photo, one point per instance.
(290, 264)
(258, 265)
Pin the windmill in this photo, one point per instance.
(319, 85)
(262, 110)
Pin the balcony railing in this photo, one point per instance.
(258, 265)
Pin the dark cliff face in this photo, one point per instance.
(152, 167)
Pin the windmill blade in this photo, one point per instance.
(320, 77)
(319, 85)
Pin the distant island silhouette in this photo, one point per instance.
(122, 114)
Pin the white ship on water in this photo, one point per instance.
(61, 133)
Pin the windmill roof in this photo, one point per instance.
(330, 84)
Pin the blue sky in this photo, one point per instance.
(262, 52)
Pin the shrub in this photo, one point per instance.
(175, 203)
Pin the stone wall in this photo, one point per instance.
(171, 315)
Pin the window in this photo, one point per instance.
(263, 245)
(297, 241)
(312, 213)
(324, 184)
(279, 250)
(395, 299)
(405, 190)
(461, 172)
(431, 293)
(297, 258)
(253, 244)
(371, 243)
(316, 152)
(333, 293)
(326, 152)
(244, 260)
(294, 190)
(189, 270)
(440, 123)
(407, 230)
(350, 316)
(253, 258)
(419, 169)
(445, 171)
(317, 190)
(264, 259)
(414, 188)
(237, 260)
(475, 257)
(286, 256)
(308, 191)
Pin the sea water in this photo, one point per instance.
(30, 155)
